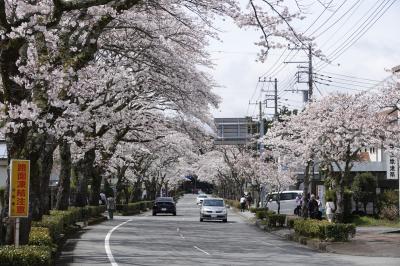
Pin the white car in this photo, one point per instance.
(213, 209)
(287, 201)
(200, 198)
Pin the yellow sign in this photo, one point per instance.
(19, 188)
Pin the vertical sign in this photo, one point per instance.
(19, 188)
(392, 168)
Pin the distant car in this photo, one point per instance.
(164, 205)
(287, 201)
(200, 198)
(213, 209)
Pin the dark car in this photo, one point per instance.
(164, 205)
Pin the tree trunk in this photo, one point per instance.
(306, 183)
(81, 195)
(64, 186)
(339, 186)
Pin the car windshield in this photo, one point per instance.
(202, 196)
(167, 199)
(218, 203)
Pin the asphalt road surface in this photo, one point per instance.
(183, 240)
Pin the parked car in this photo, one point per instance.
(200, 198)
(287, 201)
(213, 209)
(164, 205)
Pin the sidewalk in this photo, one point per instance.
(368, 241)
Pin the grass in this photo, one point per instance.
(370, 221)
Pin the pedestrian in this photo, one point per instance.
(329, 209)
(319, 207)
(313, 207)
(242, 203)
(249, 200)
(103, 198)
(111, 207)
(297, 210)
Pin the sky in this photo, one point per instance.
(368, 30)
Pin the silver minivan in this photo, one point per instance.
(287, 201)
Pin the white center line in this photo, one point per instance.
(205, 252)
(107, 243)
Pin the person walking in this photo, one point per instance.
(249, 200)
(313, 207)
(297, 210)
(329, 209)
(242, 203)
(111, 207)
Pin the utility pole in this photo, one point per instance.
(261, 128)
(310, 74)
(273, 97)
(309, 71)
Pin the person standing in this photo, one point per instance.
(313, 207)
(242, 203)
(111, 207)
(249, 200)
(329, 209)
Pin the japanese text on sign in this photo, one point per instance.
(19, 188)
(392, 168)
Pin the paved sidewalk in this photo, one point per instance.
(368, 241)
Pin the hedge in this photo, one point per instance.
(55, 224)
(324, 230)
(276, 219)
(263, 214)
(40, 236)
(134, 208)
(58, 221)
(25, 256)
(254, 210)
(290, 221)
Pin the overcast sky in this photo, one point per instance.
(359, 67)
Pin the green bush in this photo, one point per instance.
(254, 210)
(25, 256)
(290, 221)
(390, 213)
(324, 230)
(129, 209)
(388, 203)
(40, 236)
(55, 224)
(310, 228)
(330, 195)
(276, 219)
(339, 232)
(263, 214)
(94, 211)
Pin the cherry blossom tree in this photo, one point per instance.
(57, 56)
(332, 130)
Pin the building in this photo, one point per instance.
(234, 131)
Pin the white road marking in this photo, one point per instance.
(205, 252)
(107, 243)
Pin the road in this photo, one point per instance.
(183, 240)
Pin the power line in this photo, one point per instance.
(326, 21)
(359, 32)
(336, 21)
